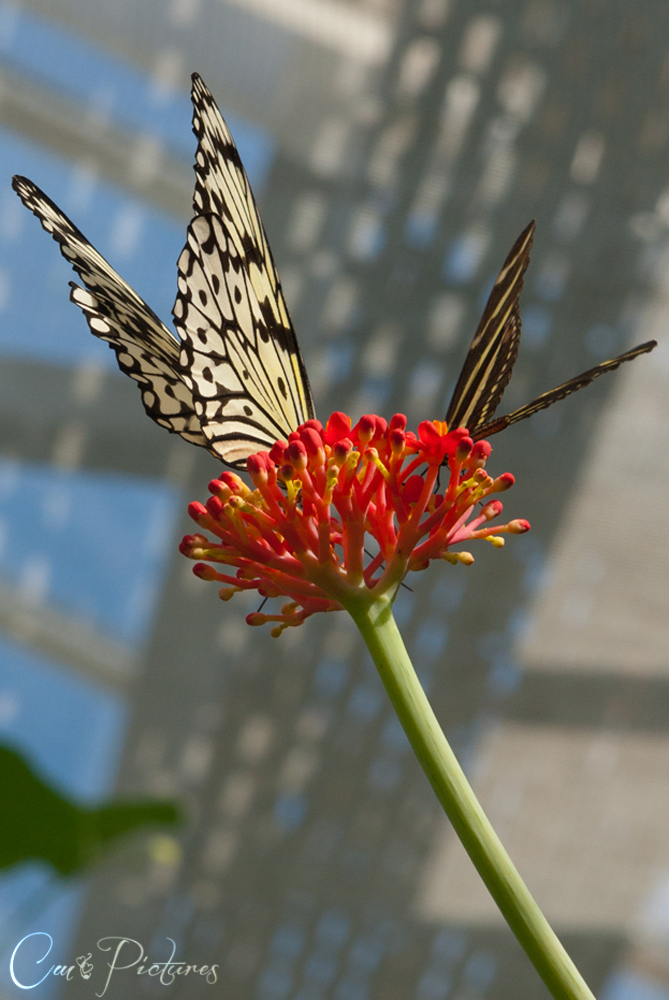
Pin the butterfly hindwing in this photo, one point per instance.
(240, 352)
(491, 357)
(144, 347)
(562, 391)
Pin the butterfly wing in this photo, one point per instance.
(561, 391)
(239, 362)
(494, 349)
(240, 353)
(145, 349)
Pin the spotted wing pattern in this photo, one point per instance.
(561, 391)
(239, 350)
(494, 349)
(145, 348)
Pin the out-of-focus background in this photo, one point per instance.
(397, 148)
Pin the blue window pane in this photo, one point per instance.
(632, 985)
(289, 811)
(115, 90)
(465, 256)
(537, 325)
(330, 677)
(68, 727)
(431, 639)
(94, 544)
(142, 243)
(288, 941)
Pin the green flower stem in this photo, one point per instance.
(378, 628)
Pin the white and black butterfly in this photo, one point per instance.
(236, 381)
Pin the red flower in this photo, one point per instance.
(320, 498)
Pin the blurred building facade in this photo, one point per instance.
(398, 150)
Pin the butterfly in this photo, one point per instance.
(235, 381)
(493, 352)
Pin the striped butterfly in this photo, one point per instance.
(235, 382)
(493, 352)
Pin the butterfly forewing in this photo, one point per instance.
(561, 391)
(239, 348)
(239, 372)
(145, 349)
(489, 362)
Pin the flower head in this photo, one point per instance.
(326, 496)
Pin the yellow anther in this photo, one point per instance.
(353, 459)
(226, 593)
(466, 558)
(373, 455)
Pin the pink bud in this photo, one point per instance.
(519, 526)
(197, 511)
(463, 449)
(215, 507)
(232, 481)
(481, 452)
(314, 425)
(365, 428)
(216, 486)
(397, 440)
(186, 544)
(341, 451)
(492, 509)
(398, 422)
(205, 572)
(256, 467)
(297, 455)
(276, 452)
(311, 440)
(503, 482)
(256, 618)
(381, 426)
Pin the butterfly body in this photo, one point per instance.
(235, 381)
